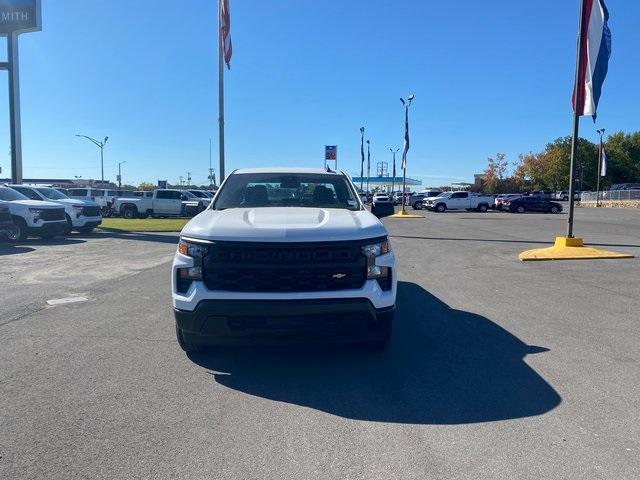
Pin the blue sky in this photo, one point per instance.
(492, 76)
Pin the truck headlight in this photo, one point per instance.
(381, 274)
(78, 210)
(195, 251)
(37, 213)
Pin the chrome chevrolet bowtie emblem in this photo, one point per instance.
(339, 276)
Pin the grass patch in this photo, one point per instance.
(144, 225)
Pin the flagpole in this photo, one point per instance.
(361, 158)
(576, 119)
(599, 172)
(220, 91)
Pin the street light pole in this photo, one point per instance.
(599, 172)
(100, 145)
(120, 174)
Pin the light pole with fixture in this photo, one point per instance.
(361, 157)
(100, 145)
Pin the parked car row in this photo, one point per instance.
(44, 213)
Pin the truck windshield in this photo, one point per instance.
(251, 190)
(52, 193)
(9, 194)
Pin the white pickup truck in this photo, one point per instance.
(459, 201)
(161, 203)
(284, 255)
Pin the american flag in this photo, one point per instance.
(595, 50)
(405, 150)
(603, 160)
(225, 32)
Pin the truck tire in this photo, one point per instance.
(185, 345)
(483, 207)
(520, 209)
(554, 209)
(130, 213)
(21, 230)
(417, 206)
(441, 208)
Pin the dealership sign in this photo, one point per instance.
(19, 16)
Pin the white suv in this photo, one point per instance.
(81, 215)
(32, 217)
(284, 254)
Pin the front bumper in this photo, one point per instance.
(86, 222)
(48, 228)
(240, 321)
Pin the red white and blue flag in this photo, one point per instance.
(225, 32)
(594, 52)
(603, 160)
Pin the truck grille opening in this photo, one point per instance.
(52, 214)
(287, 267)
(90, 211)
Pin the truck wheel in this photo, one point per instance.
(417, 206)
(441, 207)
(185, 345)
(554, 209)
(520, 209)
(482, 207)
(130, 213)
(20, 233)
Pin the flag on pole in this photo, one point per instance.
(406, 139)
(603, 160)
(595, 51)
(225, 31)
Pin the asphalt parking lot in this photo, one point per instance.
(497, 368)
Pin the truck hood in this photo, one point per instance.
(35, 203)
(74, 201)
(282, 224)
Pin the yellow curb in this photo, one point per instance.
(404, 214)
(566, 248)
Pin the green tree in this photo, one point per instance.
(146, 186)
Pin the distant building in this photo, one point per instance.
(385, 183)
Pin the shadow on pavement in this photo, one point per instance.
(14, 250)
(503, 240)
(55, 241)
(443, 366)
(137, 236)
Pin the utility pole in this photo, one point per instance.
(188, 179)
(181, 181)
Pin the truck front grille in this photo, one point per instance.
(90, 211)
(287, 267)
(52, 214)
